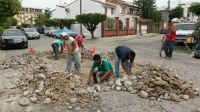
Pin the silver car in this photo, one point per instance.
(13, 38)
(31, 33)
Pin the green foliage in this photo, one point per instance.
(197, 25)
(177, 12)
(59, 22)
(47, 13)
(9, 8)
(1, 29)
(157, 16)
(91, 20)
(195, 8)
(40, 20)
(12, 21)
(8, 23)
(110, 23)
(25, 25)
(146, 7)
(67, 22)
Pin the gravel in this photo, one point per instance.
(147, 49)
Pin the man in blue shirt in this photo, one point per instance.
(124, 54)
(55, 45)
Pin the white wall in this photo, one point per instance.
(185, 7)
(59, 13)
(94, 7)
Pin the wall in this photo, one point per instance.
(185, 6)
(75, 10)
(59, 13)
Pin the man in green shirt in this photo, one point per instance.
(55, 45)
(104, 71)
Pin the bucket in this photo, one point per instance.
(189, 40)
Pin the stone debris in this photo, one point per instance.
(41, 83)
(156, 83)
(24, 101)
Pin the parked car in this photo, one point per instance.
(163, 30)
(57, 34)
(31, 33)
(13, 38)
(40, 30)
(52, 29)
(46, 29)
(183, 31)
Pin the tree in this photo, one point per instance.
(12, 21)
(110, 23)
(156, 16)
(9, 8)
(8, 22)
(91, 20)
(59, 23)
(40, 20)
(25, 25)
(177, 12)
(67, 22)
(195, 8)
(47, 13)
(145, 8)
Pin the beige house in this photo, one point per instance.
(27, 15)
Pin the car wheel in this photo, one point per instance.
(26, 47)
(2, 48)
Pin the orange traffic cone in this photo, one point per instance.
(31, 50)
(93, 50)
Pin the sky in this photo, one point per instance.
(51, 3)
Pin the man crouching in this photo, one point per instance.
(104, 71)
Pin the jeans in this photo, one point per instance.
(99, 74)
(55, 50)
(168, 47)
(74, 57)
(117, 61)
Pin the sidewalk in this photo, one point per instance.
(128, 36)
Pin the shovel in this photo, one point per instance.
(161, 50)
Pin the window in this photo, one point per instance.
(105, 10)
(130, 10)
(123, 10)
(112, 10)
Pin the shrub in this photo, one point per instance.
(1, 30)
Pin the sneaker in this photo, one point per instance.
(168, 58)
(68, 72)
(81, 72)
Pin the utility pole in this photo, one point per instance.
(80, 14)
(60, 2)
(168, 9)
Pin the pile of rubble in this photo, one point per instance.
(88, 55)
(155, 83)
(41, 83)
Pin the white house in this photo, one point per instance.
(191, 17)
(112, 9)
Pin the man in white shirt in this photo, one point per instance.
(73, 53)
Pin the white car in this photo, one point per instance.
(183, 31)
(52, 30)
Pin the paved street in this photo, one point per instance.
(147, 49)
(39, 45)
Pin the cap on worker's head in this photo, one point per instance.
(64, 34)
(84, 34)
